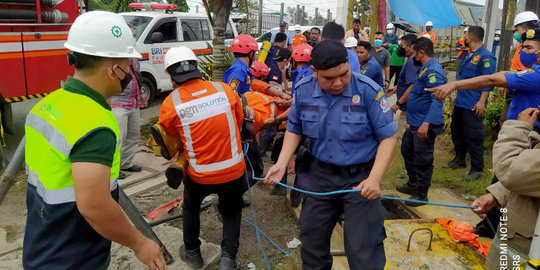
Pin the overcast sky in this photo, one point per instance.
(323, 5)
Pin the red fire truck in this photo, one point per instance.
(32, 54)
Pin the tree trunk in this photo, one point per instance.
(221, 18)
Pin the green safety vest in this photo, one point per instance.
(52, 128)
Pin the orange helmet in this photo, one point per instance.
(302, 53)
(244, 44)
(259, 69)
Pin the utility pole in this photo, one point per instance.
(259, 27)
(281, 12)
(315, 17)
(492, 8)
(507, 25)
(297, 17)
(303, 15)
(197, 9)
(328, 16)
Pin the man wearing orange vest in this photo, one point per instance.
(207, 116)
(429, 31)
(462, 49)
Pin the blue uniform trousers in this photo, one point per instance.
(364, 227)
(418, 156)
(468, 136)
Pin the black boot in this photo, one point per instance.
(174, 175)
(227, 264)
(420, 196)
(193, 258)
(455, 163)
(407, 188)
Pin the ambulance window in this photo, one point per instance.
(205, 29)
(229, 32)
(138, 22)
(167, 27)
(192, 29)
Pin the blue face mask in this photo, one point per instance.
(377, 42)
(528, 59)
(517, 37)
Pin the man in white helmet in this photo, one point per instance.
(73, 157)
(207, 116)
(429, 31)
(523, 22)
(390, 36)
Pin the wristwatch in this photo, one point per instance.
(399, 104)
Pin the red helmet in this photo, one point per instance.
(259, 69)
(302, 53)
(244, 44)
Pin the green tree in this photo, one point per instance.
(221, 10)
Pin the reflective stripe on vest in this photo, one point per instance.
(52, 128)
(236, 157)
(56, 196)
(272, 104)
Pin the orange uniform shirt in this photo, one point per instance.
(208, 117)
(516, 62)
(262, 104)
(299, 39)
(432, 35)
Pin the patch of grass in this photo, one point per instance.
(442, 178)
(145, 129)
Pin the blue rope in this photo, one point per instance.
(268, 238)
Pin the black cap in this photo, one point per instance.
(531, 34)
(282, 53)
(283, 23)
(183, 72)
(329, 54)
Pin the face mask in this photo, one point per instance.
(126, 80)
(417, 63)
(497, 38)
(517, 37)
(390, 32)
(428, 28)
(528, 59)
(377, 42)
(400, 52)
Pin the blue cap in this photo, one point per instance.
(283, 23)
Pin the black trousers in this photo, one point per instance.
(468, 136)
(394, 70)
(364, 227)
(230, 208)
(418, 156)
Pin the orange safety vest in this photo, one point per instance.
(431, 34)
(208, 117)
(516, 62)
(299, 40)
(461, 42)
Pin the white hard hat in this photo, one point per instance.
(101, 33)
(178, 54)
(426, 36)
(297, 27)
(466, 29)
(526, 16)
(351, 42)
(390, 26)
(429, 23)
(497, 32)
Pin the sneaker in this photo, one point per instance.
(455, 163)
(407, 189)
(228, 264)
(473, 175)
(193, 258)
(421, 196)
(174, 175)
(121, 175)
(133, 168)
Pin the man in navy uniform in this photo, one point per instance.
(368, 64)
(425, 119)
(467, 126)
(352, 135)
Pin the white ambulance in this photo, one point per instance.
(158, 30)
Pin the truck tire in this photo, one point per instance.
(147, 85)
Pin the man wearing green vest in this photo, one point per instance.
(73, 157)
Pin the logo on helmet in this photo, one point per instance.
(116, 31)
(530, 33)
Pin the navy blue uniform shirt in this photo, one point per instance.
(373, 70)
(343, 129)
(422, 105)
(353, 61)
(407, 76)
(238, 76)
(275, 74)
(477, 63)
(525, 85)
